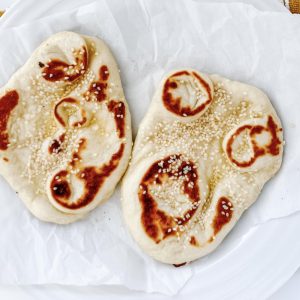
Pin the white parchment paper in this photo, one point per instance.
(149, 38)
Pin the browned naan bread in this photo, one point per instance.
(65, 132)
(203, 153)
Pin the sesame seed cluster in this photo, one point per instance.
(40, 164)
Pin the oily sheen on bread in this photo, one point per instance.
(203, 152)
(65, 132)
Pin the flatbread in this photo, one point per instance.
(65, 132)
(203, 152)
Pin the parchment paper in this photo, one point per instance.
(149, 38)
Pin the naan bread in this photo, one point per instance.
(202, 154)
(65, 132)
